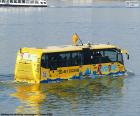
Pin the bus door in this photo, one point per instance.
(87, 61)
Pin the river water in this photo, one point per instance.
(98, 22)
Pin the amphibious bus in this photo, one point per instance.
(57, 63)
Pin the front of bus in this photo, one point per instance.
(107, 60)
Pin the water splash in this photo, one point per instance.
(130, 73)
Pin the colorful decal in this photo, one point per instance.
(88, 71)
(44, 74)
(99, 69)
(80, 71)
(109, 67)
(113, 67)
(61, 71)
(104, 69)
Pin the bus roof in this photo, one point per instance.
(78, 47)
(65, 48)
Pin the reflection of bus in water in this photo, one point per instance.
(67, 62)
(33, 97)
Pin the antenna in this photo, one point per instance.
(79, 39)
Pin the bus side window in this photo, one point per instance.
(59, 60)
(62, 60)
(73, 60)
(97, 57)
(67, 59)
(111, 54)
(52, 61)
(44, 61)
(80, 59)
(76, 59)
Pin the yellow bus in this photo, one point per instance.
(57, 63)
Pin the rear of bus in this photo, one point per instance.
(27, 68)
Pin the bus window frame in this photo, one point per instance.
(81, 57)
(70, 59)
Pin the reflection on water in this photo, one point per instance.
(34, 97)
(31, 96)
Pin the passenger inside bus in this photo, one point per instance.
(99, 57)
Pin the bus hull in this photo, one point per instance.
(32, 67)
(30, 74)
(81, 72)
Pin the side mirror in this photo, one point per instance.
(125, 52)
(127, 56)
